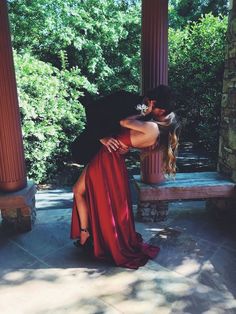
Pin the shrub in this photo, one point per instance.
(196, 69)
(51, 113)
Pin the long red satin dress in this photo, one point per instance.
(111, 218)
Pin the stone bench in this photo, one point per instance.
(18, 208)
(153, 198)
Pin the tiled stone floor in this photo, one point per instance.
(195, 272)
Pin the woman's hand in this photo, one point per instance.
(111, 143)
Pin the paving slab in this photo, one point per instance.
(44, 238)
(182, 252)
(51, 290)
(156, 289)
(43, 272)
(219, 272)
(14, 256)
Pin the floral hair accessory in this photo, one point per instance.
(142, 108)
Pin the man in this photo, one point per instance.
(104, 115)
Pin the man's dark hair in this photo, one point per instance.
(163, 96)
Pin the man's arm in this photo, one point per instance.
(104, 114)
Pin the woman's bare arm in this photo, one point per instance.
(143, 133)
(133, 123)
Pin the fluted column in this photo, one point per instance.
(12, 162)
(154, 69)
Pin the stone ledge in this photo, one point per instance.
(195, 185)
(18, 209)
(21, 198)
(153, 198)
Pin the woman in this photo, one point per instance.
(102, 210)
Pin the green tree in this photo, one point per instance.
(183, 11)
(99, 37)
(196, 72)
(50, 113)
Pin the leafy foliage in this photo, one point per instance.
(68, 52)
(50, 112)
(182, 12)
(196, 73)
(101, 37)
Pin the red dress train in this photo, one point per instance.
(111, 218)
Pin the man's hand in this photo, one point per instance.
(111, 143)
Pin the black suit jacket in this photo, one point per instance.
(103, 117)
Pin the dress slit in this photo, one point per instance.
(111, 217)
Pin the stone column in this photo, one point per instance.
(227, 147)
(154, 72)
(154, 46)
(227, 140)
(12, 162)
(154, 69)
(17, 196)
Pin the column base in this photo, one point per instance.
(152, 211)
(18, 209)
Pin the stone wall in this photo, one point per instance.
(227, 141)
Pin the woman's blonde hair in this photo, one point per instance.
(168, 143)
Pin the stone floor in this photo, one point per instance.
(195, 272)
